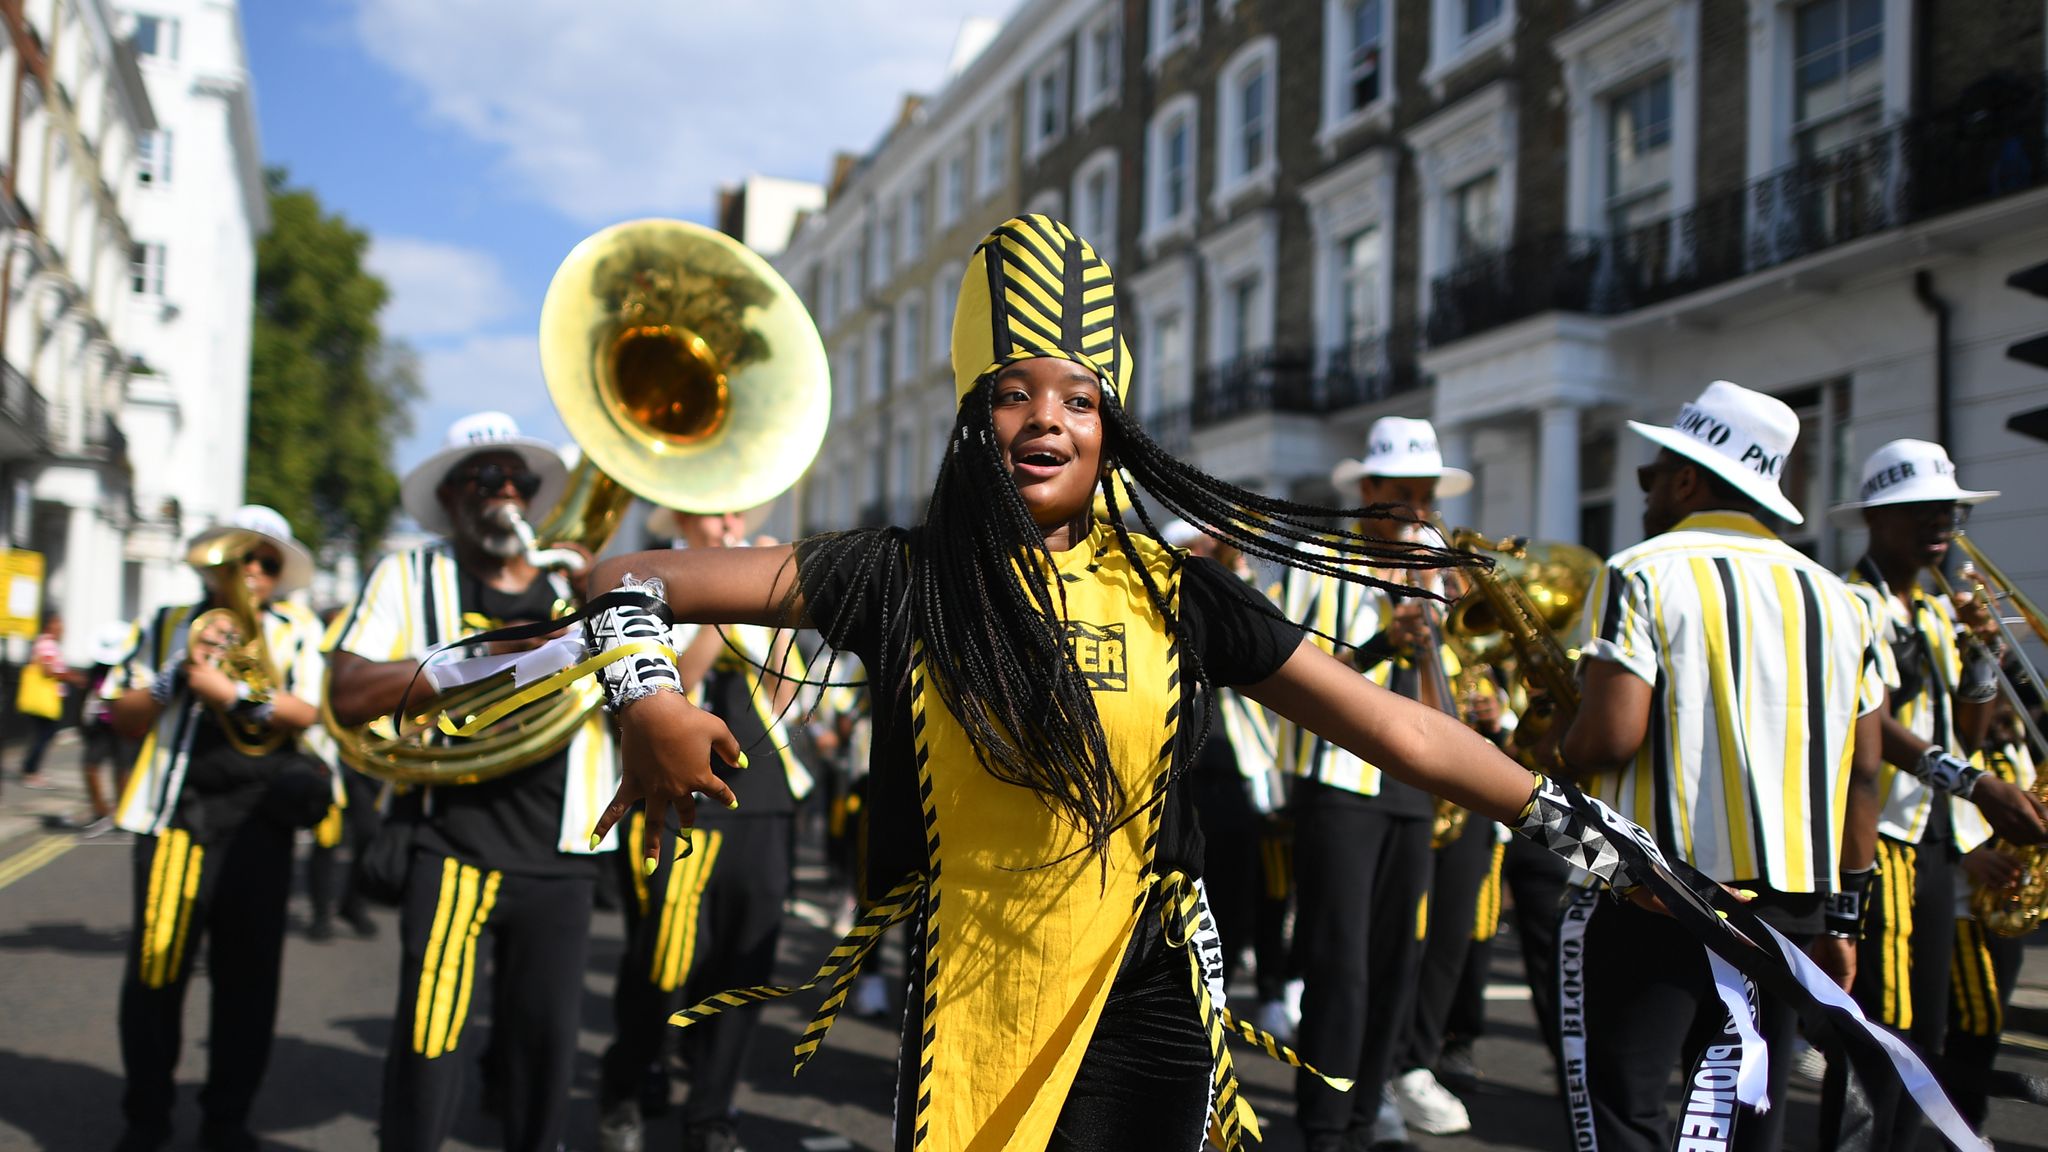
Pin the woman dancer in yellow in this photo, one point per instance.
(1042, 677)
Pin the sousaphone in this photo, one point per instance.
(690, 375)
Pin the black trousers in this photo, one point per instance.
(1902, 982)
(700, 925)
(1537, 878)
(231, 892)
(1460, 870)
(1985, 971)
(1360, 878)
(1650, 1003)
(472, 936)
(327, 883)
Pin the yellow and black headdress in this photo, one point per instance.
(1036, 289)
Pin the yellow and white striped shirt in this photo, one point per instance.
(412, 605)
(1928, 712)
(1759, 661)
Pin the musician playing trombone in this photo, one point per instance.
(504, 869)
(1939, 713)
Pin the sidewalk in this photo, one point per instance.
(29, 811)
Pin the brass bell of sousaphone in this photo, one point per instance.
(690, 375)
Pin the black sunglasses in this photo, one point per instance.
(272, 565)
(489, 478)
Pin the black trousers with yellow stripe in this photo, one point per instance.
(529, 933)
(702, 924)
(1985, 969)
(230, 892)
(1902, 969)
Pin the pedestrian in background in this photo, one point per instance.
(45, 681)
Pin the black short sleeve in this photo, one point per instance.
(1239, 635)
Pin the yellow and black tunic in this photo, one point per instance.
(1024, 935)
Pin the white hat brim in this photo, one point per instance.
(1847, 515)
(1450, 482)
(298, 563)
(1746, 482)
(418, 492)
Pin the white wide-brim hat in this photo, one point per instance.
(1401, 447)
(662, 524)
(268, 523)
(470, 436)
(1907, 472)
(1743, 437)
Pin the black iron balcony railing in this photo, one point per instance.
(23, 406)
(1987, 146)
(1291, 380)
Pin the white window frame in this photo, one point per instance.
(1606, 56)
(1337, 121)
(1248, 248)
(1164, 44)
(992, 173)
(954, 195)
(1342, 203)
(1165, 288)
(848, 363)
(1232, 185)
(878, 374)
(910, 361)
(146, 268)
(1047, 202)
(154, 164)
(1099, 233)
(1771, 45)
(1452, 48)
(1088, 99)
(1037, 143)
(880, 250)
(911, 226)
(1452, 148)
(945, 294)
(169, 30)
(1159, 228)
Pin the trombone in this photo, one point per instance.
(1992, 586)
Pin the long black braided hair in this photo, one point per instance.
(989, 624)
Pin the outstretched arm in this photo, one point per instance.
(715, 585)
(1411, 742)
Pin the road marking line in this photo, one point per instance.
(33, 857)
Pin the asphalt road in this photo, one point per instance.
(63, 928)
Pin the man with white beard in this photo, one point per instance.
(504, 869)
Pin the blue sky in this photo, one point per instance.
(477, 141)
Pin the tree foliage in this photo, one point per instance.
(329, 397)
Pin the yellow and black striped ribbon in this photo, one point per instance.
(174, 871)
(1973, 983)
(675, 939)
(1232, 1115)
(839, 968)
(448, 971)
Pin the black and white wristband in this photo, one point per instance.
(641, 613)
(1551, 821)
(1843, 913)
(1944, 771)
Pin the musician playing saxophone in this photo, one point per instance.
(221, 783)
(503, 869)
(1938, 715)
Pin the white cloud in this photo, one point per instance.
(609, 110)
(437, 289)
(476, 373)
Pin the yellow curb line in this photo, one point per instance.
(36, 855)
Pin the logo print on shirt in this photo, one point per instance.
(1098, 651)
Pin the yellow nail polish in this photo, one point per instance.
(742, 761)
(1745, 893)
(1721, 914)
(649, 864)
(595, 839)
(735, 803)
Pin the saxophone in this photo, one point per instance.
(2017, 910)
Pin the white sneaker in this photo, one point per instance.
(870, 997)
(1387, 1126)
(1428, 1106)
(1273, 1019)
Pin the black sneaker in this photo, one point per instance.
(228, 1138)
(359, 922)
(321, 930)
(1455, 1066)
(143, 1138)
